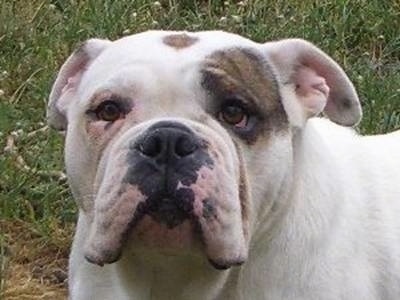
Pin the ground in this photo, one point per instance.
(37, 211)
(34, 268)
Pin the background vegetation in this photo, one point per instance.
(36, 209)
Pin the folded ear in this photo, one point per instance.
(68, 78)
(312, 82)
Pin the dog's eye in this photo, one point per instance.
(234, 114)
(108, 111)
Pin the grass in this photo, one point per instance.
(36, 208)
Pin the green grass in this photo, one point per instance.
(36, 37)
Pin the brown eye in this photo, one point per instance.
(108, 111)
(234, 114)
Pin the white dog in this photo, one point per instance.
(201, 171)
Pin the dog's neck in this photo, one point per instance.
(194, 279)
(155, 276)
(150, 276)
(315, 163)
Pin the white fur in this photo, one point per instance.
(325, 219)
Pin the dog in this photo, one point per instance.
(208, 166)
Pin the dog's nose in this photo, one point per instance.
(163, 163)
(168, 141)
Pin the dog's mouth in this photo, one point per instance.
(175, 203)
(183, 223)
(168, 210)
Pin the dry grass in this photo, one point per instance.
(33, 266)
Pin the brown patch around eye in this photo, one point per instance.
(244, 74)
(179, 40)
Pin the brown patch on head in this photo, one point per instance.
(244, 74)
(179, 40)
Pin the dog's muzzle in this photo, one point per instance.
(168, 184)
(164, 162)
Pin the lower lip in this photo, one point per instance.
(153, 234)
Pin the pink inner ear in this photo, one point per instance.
(311, 89)
(71, 82)
(64, 100)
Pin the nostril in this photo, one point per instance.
(151, 146)
(185, 146)
(164, 145)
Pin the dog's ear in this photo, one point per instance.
(68, 78)
(312, 82)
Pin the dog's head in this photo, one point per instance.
(165, 130)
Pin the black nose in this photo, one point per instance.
(163, 163)
(166, 141)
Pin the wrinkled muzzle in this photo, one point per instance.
(179, 181)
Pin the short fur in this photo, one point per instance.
(307, 208)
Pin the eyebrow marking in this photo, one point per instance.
(243, 71)
(245, 74)
(179, 41)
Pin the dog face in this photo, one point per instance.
(165, 131)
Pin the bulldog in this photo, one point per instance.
(202, 169)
